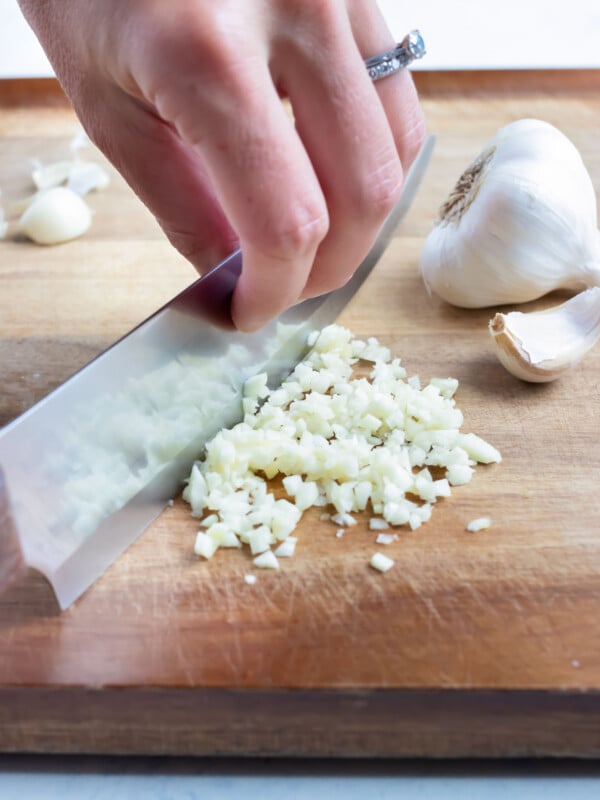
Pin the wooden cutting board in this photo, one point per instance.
(474, 644)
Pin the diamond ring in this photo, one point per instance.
(408, 50)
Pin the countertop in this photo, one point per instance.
(59, 778)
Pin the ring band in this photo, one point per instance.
(408, 50)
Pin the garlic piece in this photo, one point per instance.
(54, 216)
(540, 346)
(266, 560)
(381, 563)
(205, 545)
(520, 222)
(287, 548)
(479, 524)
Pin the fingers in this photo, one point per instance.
(258, 167)
(93, 48)
(271, 195)
(397, 92)
(188, 111)
(169, 177)
(355, 142)
(305, 203)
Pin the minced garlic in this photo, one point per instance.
(350, 443)
(479, 524)
(381, 563)
(266, 560)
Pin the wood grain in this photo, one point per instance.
(474, 644)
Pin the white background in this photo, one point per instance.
(460, 34)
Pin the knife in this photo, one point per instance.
(88, 468)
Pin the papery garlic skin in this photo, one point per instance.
(54, 216)
(80, 176)
(521, 222)
(50, 175)
(87, 176)
(540, 346)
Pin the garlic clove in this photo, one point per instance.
(54, 216)
(540, 346)
(520, 222)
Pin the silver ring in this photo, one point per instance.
(408, 50)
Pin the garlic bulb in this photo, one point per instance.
(54, 216)
(520, 222)
(540, 346)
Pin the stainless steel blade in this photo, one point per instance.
(89, 467)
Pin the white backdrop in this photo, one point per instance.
(479, 34)
(460, 34)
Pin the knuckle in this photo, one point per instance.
(379, 191)
(322, 12)
(413, 136)
(295, 235)
(201, 60)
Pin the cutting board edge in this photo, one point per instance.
(405, 723)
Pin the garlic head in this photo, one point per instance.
(540, 346)
(520, 222)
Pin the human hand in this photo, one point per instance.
(184, 98)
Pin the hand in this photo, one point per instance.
(184, 97)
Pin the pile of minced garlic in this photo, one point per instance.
(338, 441)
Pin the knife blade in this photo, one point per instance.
(88, 468)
